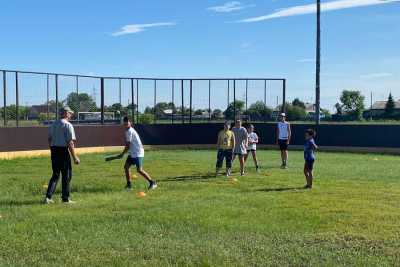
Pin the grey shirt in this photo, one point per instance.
(240, 140)
(61, 133)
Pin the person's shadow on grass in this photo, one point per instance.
(281, 189)
(19, 203)
(193, 177)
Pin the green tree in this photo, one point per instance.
(297, 102)
(339, 109)
(216, 114)
(81, 102)
(259, 111)
(160, 108)
(199, 112)
(230, 111)
(295, 113)
(390, 107)
(352, 103)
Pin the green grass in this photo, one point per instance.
(350, 218)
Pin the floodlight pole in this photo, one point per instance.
(318, 66)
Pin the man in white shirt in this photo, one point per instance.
(134, 145)
(61, 140)
(241, 143)
(283, 135)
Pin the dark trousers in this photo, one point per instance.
(60, 163)
(227, 154)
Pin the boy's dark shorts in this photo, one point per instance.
(283, 144)
(224, 154)
(138, 162)
(309, 164)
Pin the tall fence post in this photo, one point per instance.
(173, 100)
(102, 99)
(265, 98)
(284, 96)
(56, 83)
(183, 104)
(77, 95)
(16, 99)
(5, 98)
(137, 100)
(191, 102)
(133, 100)
(155, 101)
(120, 91)
(47, 97)
(209, 100)
(247, 86)
(234, 99)
(265, 92)
(228, 94)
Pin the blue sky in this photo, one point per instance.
(154, 38)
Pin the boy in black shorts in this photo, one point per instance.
(309, 157)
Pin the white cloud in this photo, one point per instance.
(246, 45)
(136, 28)
(306, 60)
(312, 8)
(229, 7)
(376, 75)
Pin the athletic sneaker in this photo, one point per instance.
(48, 201)
(228, 173)
(242, 173)
(258, 169)
(153, 185)
(69, 201)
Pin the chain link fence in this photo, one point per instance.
(35, 98)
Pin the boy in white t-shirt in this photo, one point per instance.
(252, 147)
(283, 136)
(134, 145)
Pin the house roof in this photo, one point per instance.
(380, 105)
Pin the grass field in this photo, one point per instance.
(350, 218)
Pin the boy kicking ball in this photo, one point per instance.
(309, 157)
(225, 145)
(136, 154)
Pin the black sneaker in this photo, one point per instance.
(128, 187)
(153, 185)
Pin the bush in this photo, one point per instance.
(295, 113)
(146, 118)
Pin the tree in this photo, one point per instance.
(238, 105)
(390, 107)
(339, 109)
(298, 103)
(326, 113)
(295, 113)
(81, 102)
(198, 112)
(259, 111)
(216, 114)
(352, 103)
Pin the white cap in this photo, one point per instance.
(283, 114)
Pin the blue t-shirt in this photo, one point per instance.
(309, 150)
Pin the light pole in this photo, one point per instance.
(318, 65)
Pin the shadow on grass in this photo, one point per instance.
(19, 203)
(281, 189)
(194, 177)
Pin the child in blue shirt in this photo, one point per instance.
(309, 157)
